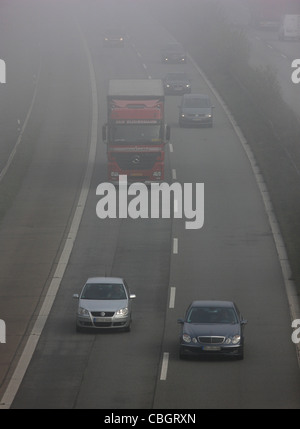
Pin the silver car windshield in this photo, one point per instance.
(103, 291)
(211, 315)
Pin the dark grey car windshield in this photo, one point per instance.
(103, 291)
(176, 76)
(211, 315)
(135, 133)
(197, 102)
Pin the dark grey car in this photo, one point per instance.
(177, 83)
(196, 109)
(104, 302)
(113, 37)
(173, 53)
(212, 328)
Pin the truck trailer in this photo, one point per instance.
(289, 27)
(135, 132)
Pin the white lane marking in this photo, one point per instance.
(164, 366)
(175, 246)
(36, 332)
(172, 297)
(173, 174)
(18, 142)
(171, 147)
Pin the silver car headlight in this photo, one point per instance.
(83, 311)
(122, 312)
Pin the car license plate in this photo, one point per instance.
(136, 174)
(212, 348)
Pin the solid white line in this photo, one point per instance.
(175, 246)
(36, 332)
(172, 297)
(18, 142)
(164, 366)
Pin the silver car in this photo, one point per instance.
(104, 302)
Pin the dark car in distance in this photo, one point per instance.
(195, 110)
(173, 53)
(113, 38)
(212, 328)
(177, 83)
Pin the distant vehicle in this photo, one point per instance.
(289, 28)
(104, 302)
(173, 53)
(177, 83)
(195, 109)
(113, 37)
(265, 14)
(212, 328)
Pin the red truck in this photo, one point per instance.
(136, 132)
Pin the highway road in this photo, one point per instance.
(167, 266)
(266, 50)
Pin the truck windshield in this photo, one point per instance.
(135, 134)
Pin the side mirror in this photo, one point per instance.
(132, 296)
(244, 322)
(76, 296)
(104, 133)
(180, 321)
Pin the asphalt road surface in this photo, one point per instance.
(166, 265)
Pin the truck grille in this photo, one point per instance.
(136, 161)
